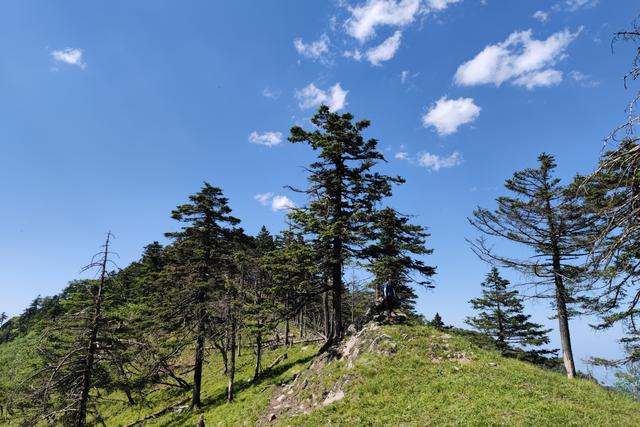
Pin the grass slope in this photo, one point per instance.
(417, 376)
(251, 399)
(436, 379)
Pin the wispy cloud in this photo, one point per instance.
(431, 162)
(541, 16)
(70, 56)
(573, 5)
(317, 51)
(584, 80)
(386, 50)
(271, 93)
(434, 163)
(366, 17)
(311, 97)
(520, 60)
(447, 115)
(277, 202)
(269, 139)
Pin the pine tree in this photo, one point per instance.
(76, 350)
(437, 322)
(544, 217)
(203, 254)
(612, 195)
(343, 191)
(613, 192)
(395, 243)
(501, 316)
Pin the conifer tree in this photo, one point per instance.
(501, 316)
(204, 254)
(76, 350)
(542, 216)
(395, 244)
(613, 192)
(437, 322)
(343, 191)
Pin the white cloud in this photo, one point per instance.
(545, 78)
(354, 54)
(311, 97)
(71, 56)
(317, 50)
(439, 5)
(449, 114)
(277, 202)
(263, 198)
(365, 18)
(271, 93)
(584, 80)
(266, 138)
(402, 155)
(520, 59)
(281, 203)
(573, 5)
(541, 16)
(386, 50)
(434, 162)
(406, 75)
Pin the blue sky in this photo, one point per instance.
(112, 113)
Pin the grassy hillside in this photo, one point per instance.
(389, 375)
(420, 376)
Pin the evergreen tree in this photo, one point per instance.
(395, 243)
(76, 350)
(203, 254)
(544, 217)
(501, 316)
(613, 192)
(437, 322)
(343, 191)
(612, 195)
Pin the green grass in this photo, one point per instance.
(421, 385)
(251, 399)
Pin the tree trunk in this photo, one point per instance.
(232, 366)
(563, 323)
(256, 372)
(336, 287)
(286, 332)
(197, 371)
(325, 313)
(199, 353)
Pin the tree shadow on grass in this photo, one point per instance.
(266, 380)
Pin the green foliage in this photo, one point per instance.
(501, 317)
(343, 190)
(395, 244)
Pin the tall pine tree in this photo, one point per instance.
(204, 248)
(541, 215)
(343, 191)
